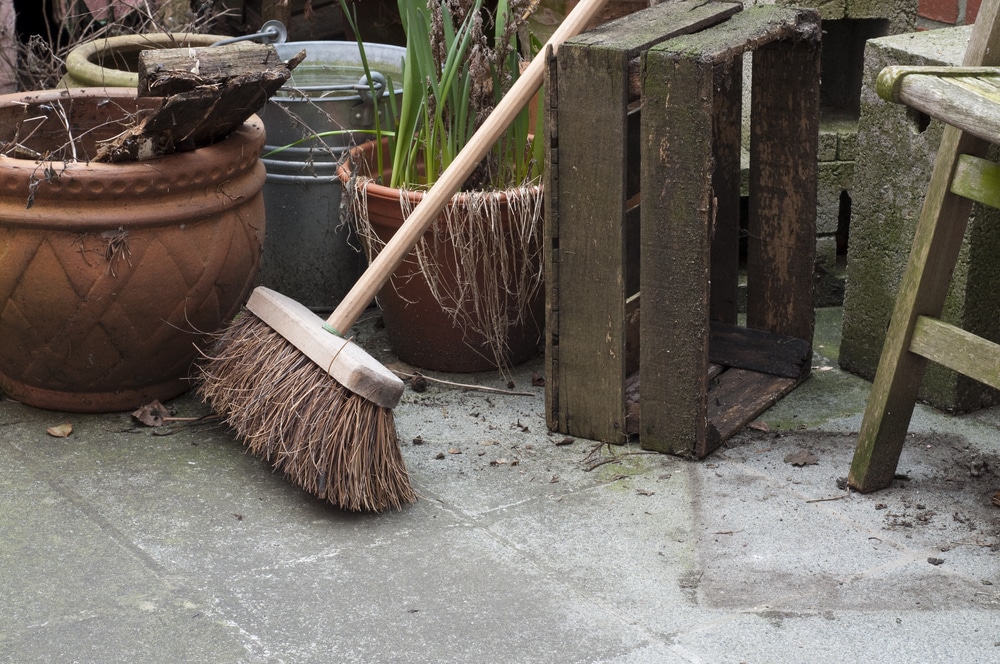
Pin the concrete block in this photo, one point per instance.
(847, 145)
(901, 14)
(828, 9)
(827, 145)
(833, 179)
(895, 152)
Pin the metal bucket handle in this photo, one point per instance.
(272, 32)
(363, 87)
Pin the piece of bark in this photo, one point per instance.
(207, 93)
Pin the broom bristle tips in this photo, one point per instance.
(328, 440)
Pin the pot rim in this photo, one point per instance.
(252, 126)
(223, 175)
(346, 172)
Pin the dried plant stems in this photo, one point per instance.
(483, 263)
(323, 437)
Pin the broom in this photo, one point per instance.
(314, 404)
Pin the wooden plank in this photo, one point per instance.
(737, 398)
(760, 351)
(977, 179)
(936, 244)
(550, 256)
(748, 31)
(728, 119)
(957, 349)
(641, 30)
(591, 170)
(784, 137)
(170, 71)
(676, 213)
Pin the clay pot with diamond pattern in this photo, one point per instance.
(111, 275)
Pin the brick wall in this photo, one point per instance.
(944, 13)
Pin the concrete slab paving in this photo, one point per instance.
(123, 543)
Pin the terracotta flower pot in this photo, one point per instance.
(443, 331)
(111, 274)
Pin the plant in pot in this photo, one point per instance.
(469, 296)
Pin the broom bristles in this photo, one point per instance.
(287, 410)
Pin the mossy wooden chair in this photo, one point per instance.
(967, 100)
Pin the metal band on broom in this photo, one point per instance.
(315, 405)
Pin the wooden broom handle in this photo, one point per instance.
(482, 141)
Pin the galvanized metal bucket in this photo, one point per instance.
(308, 255)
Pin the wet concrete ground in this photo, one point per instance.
(123, 543)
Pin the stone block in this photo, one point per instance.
(901, 14)
(847, 145)
(896, 147)
(833, 179)
(828, 141)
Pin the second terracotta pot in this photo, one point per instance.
(421, 330)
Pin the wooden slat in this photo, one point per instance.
(760, 351)
(737, 398)
(784, 140)
(591, 171)
(977, 179)
(728, 120)
(957, 349)
(676, 212)
(550, 256)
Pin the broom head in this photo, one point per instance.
(313, 404)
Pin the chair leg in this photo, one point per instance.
(925, 283)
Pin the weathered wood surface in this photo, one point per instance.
(936, 245)
(687, 131)
(727, 118)
(760, 351)
(677, 211)
(636, 33)
(977, 179)
(964, 97)
(589, 245)
(736, 397)
(957, 349)
(207, 93)
(781, 233)
(587, 190)
(689, 93)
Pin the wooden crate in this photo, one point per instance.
(643, 205)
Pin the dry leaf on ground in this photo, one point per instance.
(152, 414)
(60, 430)
(802, 458)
